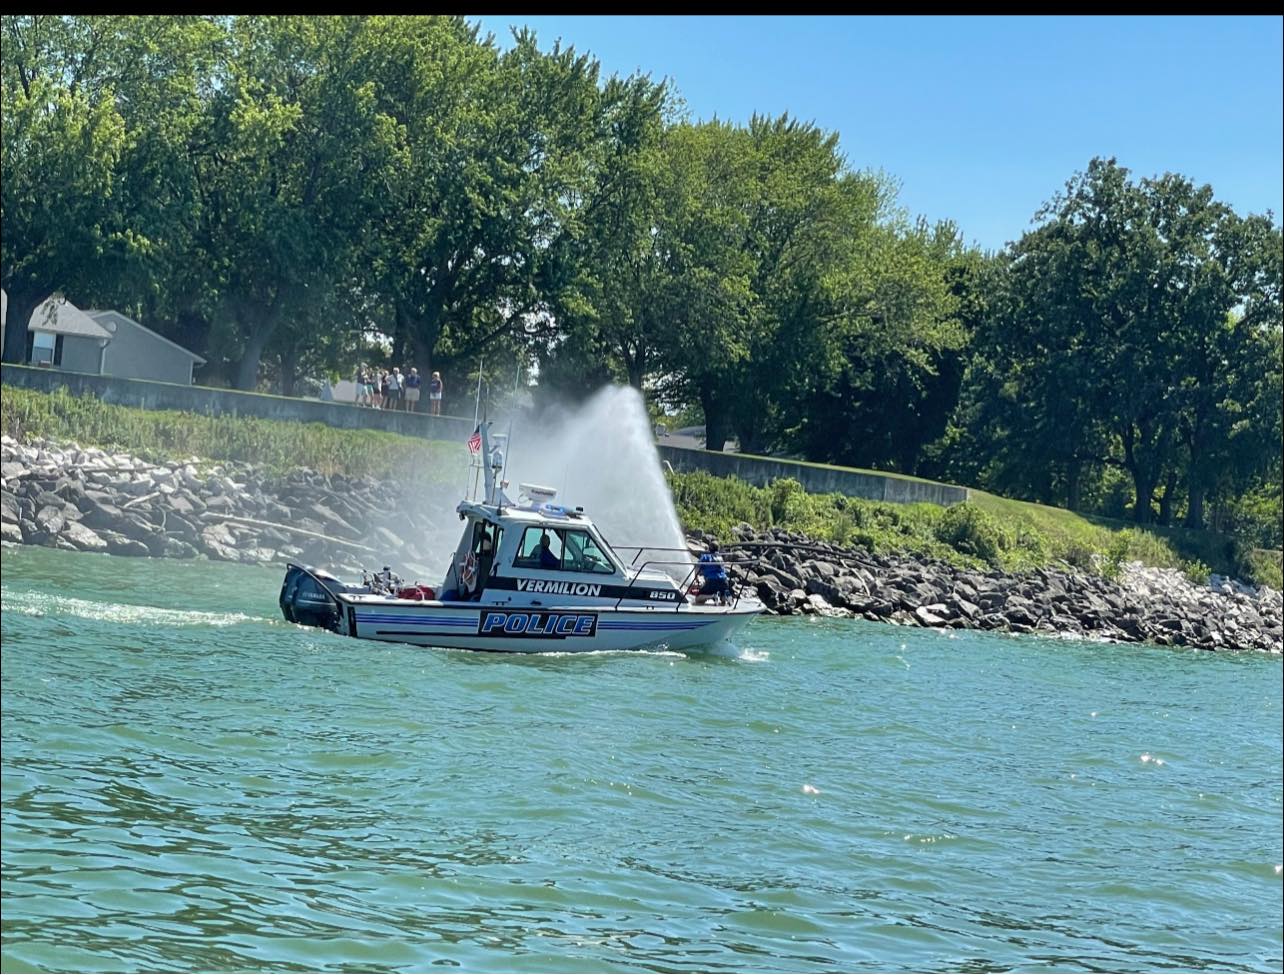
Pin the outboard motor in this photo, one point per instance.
(306, 600)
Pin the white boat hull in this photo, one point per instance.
(474, 626)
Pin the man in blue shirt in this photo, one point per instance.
(547, 560)
(715, 576)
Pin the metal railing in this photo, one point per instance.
(687, 579)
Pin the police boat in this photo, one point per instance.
(528, 576)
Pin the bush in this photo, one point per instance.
(969, 530)
(1114, 556)
(1196, 572)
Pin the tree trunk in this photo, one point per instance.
(247, 369)
(289, 370)
(1166, 500)
(423, 343)
(634, 356)
(1074, 486)
(262, 322)
(1144, 482)
(18, 312)
(751, 438)
(715, 423)
(1195, 506)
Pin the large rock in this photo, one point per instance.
(934, 615)
(99, 515)
(49, 519)
(176, 548)
(83, 538)
(219, 535)
(10, 510)
(118, 544)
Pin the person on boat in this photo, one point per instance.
(715, 576)
(485, 559)
(547, 560)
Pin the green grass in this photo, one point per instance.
(831, 467)
(985, 531)
(277, 445)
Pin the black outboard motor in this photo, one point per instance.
(306, 600)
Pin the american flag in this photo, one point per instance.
(474, 442)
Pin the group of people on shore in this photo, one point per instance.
(390, 389)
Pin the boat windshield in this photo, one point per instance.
(562, 549)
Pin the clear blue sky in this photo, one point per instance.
(981, 119)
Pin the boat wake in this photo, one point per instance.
(47, 604)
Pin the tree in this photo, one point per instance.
(609, 283)
(1114, 333)
(492, 163)
(292, 158)
(63, 140)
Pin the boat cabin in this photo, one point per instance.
(536, 553)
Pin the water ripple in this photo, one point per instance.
(191, 785)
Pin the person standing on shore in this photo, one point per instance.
(434, 394)
(413, 383)
(394, 388)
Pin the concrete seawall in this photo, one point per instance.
(229, 402)
(815, 478)
(759, 471)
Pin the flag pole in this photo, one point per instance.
(473, 466)
(508, 444)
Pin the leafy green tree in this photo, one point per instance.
(492, 163)
(288, 168)
(63, 140)
(1113, 339)
(610, 282)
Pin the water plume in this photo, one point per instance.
(601, 455)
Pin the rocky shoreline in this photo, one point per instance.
(86, 499)
(793, 574)
(93, 500)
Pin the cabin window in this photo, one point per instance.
(583, 554)
(541, 548)
(568, 550)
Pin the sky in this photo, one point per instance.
(981, 120)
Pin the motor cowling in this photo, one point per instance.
(306, 601)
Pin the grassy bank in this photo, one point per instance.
(158, 435)
(987, 531)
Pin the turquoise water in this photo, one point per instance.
(189, 783)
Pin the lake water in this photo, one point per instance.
(190, 783)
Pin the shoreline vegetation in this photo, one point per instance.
(987, 531)
(1121, 356)
(253, 490)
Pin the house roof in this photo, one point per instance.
(60, 317)
(116, 318)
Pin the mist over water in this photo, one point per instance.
(600, 455)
